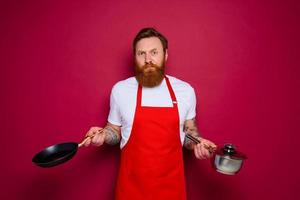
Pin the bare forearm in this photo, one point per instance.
(113, 135)
(191, 129)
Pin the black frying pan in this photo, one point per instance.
(57, 154)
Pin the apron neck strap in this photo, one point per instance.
(139, 93)
(173, 97)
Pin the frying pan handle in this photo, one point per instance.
(88, 137)
(85, 139)
(209, 148)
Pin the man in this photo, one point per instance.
(150, 114)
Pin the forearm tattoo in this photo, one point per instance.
(112, 136)
(191, 129)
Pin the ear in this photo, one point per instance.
(166, 55)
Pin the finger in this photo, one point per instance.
(211, 147)
(90, 133)
(211, 144)
(214, 146)
(212, 150)
(87, 142)
(196, 152)
(100, 140)
(102, 136)
(95, 139)
(207, 150)
(93, 131)
(200, 154)
(204, 151)
(96, 129)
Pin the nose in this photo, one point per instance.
(148, 58)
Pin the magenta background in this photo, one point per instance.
(59, 60)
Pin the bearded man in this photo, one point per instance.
(150, 115)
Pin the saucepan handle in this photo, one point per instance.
(209, 148)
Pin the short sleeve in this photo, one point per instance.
(114, 116)
(191, 113)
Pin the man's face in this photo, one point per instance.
(150, 61)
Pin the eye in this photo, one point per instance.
(140, 53)
(154, 53)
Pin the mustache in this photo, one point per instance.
(150, 65)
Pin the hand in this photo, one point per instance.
(96, 136)
(202, 149)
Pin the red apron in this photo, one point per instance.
(151, 162)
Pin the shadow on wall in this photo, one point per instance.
(46, 186)
(75, 176)
(203, 182)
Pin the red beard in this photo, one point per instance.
(150, 75)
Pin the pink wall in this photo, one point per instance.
(59, 60)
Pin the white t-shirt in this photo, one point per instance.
(123, 103)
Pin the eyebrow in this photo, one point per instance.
(139, 51)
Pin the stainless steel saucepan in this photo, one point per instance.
(226, 159)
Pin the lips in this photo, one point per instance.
(149, 69)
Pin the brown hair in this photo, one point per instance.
(147, 33)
